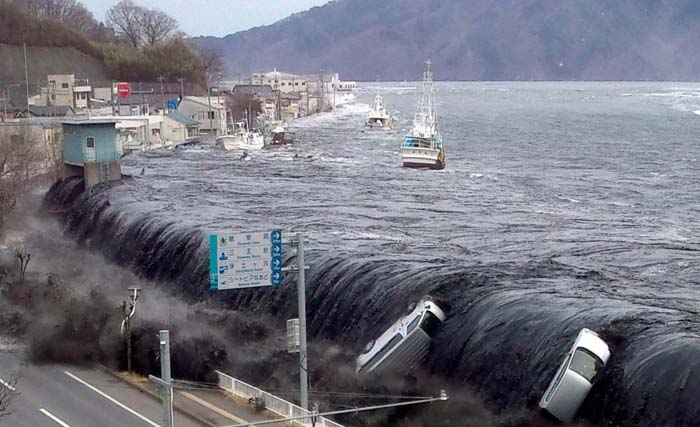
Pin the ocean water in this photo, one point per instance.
(562, 206)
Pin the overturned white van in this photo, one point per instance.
(405, 343)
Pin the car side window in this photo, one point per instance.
(413, 324)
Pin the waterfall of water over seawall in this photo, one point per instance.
(507, 330)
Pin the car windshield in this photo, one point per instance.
(585, 364)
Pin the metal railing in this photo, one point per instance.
(273, 403)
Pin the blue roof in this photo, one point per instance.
(182, 119)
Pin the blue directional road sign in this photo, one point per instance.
(245, 260)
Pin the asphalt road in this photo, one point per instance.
(70, 396)
(66, 396)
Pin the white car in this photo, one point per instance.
(576, 376)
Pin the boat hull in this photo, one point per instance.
(380, 123)
(231, 143)
(423, 158)
(282, 139)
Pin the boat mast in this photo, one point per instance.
(426, 113)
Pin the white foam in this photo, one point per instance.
(567, 199)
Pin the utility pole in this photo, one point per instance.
(165, 381)
(162, 91)
(182, 87)
(126, 323)
(303, 359)
(210, 113)
(26, 75)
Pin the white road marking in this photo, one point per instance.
(7, 385)
(53, 417)
(111, 399)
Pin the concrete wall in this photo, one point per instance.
(94, 173)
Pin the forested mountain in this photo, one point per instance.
(478, 40)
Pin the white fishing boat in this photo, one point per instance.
(378, 116)
(423, 147)
(241, 139)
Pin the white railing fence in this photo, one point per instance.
(273, 403)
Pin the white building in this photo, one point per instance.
(212, 117)
(179, 129)
(284, 82)
(63, 90)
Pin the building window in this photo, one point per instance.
(90, 142)
(64, 85)
(212, 115)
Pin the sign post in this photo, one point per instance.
(165, 382)
(301, 289)
(249, 260)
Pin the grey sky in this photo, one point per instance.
(216, 17)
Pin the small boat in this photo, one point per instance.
(423, 147)
(280, 136)
(378, 116)
(241, 139)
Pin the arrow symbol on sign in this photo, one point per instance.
(276, 276)
(277, 262)
(275, 249)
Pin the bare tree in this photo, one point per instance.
(126, 18)
(71, 12)
(212, 63)
(23, 257)
(20, 161)
(158, 26)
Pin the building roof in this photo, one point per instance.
(256, 90)
(89, 122)
(203, 100)
(291, 96)
(47, 111)
(182, 119)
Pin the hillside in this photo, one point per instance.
(87, 48)
(48, 60)
(478, 40)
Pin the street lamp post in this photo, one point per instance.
(126, 323)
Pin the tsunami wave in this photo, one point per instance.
(509, 323)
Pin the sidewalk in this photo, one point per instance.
(208, 407)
